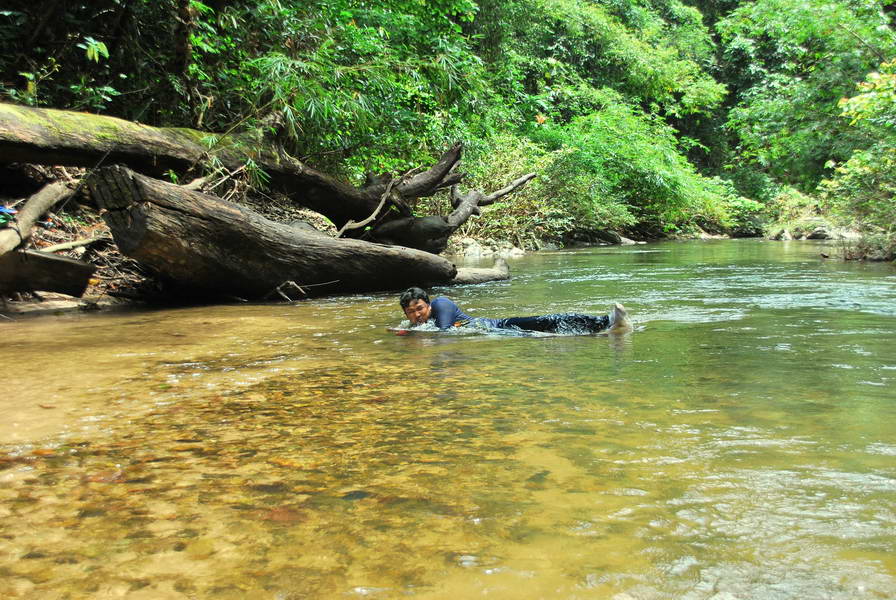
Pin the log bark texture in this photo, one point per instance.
(213, 248)
(32, 271)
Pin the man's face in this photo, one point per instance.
(417, 312)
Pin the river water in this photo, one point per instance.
(739, 444)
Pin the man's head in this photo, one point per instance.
(415, 304)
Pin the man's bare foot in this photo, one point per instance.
(619, 321)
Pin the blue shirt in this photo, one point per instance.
(446, 313)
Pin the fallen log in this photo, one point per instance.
(207, 247)
(32, 271)
(468, 275)
(60, 137)
(56, 137)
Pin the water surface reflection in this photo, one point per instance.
(737, 446)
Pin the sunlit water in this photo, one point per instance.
(740, 444)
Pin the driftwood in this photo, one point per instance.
(206, 246)
(466, 275)
(58, 137)
(19, 230)
(31, 271)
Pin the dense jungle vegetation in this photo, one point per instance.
(641, 116)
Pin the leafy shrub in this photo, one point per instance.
(794, 211)
(622, 169)
(790, 205)
(743, 217)
(862, 191)
(788, 65)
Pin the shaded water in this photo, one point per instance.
(739, 445)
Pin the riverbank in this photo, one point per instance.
(120, 282)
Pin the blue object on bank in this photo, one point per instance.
(6, 215)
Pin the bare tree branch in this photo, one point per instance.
(75, 244)
(512, 187)
(372, 217)
(467, 205)
(440, 176)
(19, 230)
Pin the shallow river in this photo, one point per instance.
(740, 444)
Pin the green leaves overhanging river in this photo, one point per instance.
(738, 444)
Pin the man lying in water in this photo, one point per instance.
(445, 314)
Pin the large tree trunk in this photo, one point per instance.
(57, 137)
(209, 247)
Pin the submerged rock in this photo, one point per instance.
(819, 233)
(610, 237)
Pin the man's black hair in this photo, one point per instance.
(411, 294)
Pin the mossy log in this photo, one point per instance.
(206, 247)
(56, 137)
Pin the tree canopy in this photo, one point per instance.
(644, 116)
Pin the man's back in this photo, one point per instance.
(446, 313)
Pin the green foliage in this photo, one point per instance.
(746, 217)
(621, 168)
(791, 206)
(789, 63)
(356, 85)
(606, 99)
(554, 49)
(862, 190)
(33, 79)
(94, 49)
(875, 107)
(357, 88)
(530, 215)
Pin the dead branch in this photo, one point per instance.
(511, 187)
(19, 230)
(75, 244)
(29, 271)
(438, 177)
(196, 184)
(373, 215)
(467, 205)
